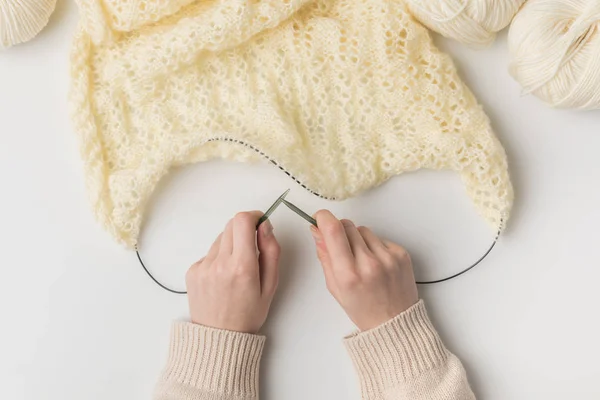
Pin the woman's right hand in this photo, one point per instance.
(372, 279)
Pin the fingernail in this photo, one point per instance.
(268, 229)
(315, 233)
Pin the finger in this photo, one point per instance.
(214, 249)
(191, 275)
(198, 263)
(269, 252)
(398, 251)
(357, 243)
(373, 242)
(324, 258)
(334, 237)
(226, 247)
(244, 233)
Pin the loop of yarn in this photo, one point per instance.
(555, 51)
(22, 20)
(472, 22)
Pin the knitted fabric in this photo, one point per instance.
(341, 94)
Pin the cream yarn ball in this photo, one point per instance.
(555, 51)
(472, 22)
(21, 20)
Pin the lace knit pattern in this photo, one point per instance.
(341, 94)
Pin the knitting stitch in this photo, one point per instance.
(341, 94)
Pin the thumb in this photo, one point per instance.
(268, 258)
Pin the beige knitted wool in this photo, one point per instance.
(341, 94)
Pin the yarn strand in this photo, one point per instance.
(441, 19)
(555, 52)
(22, 20)
(472, 22)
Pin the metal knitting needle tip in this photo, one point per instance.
(268, 213)
(300, 212)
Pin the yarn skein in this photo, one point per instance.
(22, 20)
(555, 52)
(472, 22)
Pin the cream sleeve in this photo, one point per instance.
(406, 359)
(210, 364)
(401, 359)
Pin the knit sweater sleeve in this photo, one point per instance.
(210, 364)
(406, 359)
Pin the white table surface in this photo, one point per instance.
(80, 320)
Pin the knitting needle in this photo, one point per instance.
(268, 213)
(300, 212)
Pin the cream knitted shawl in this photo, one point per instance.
(341, 94)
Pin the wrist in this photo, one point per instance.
(370, 320)
(228, 326)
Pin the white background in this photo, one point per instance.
(80, 320)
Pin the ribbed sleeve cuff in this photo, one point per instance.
(214, 361)
(397, 351)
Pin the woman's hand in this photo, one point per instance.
(232, 287)
(372, 279)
